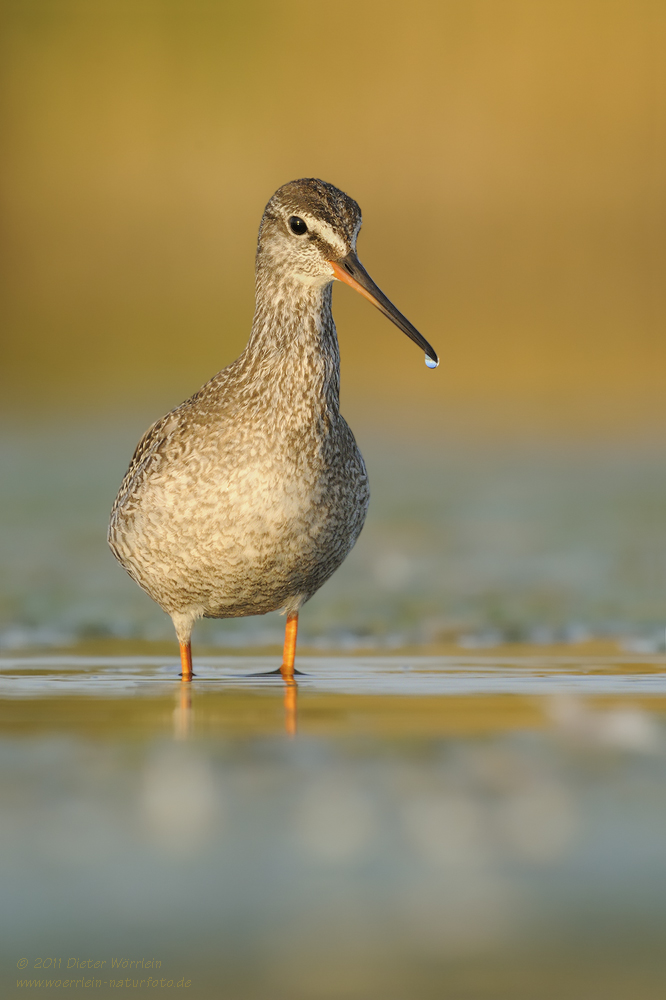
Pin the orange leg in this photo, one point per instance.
(186, 661)
(287, 671)
(289, 652)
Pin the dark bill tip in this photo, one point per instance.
(352, 273)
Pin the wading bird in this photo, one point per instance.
(249, 495)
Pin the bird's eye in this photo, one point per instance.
(297, 226)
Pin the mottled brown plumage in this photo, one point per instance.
(249, 495)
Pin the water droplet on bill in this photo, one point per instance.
(430, 362)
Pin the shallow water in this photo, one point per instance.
(478, 826)
(484, 824)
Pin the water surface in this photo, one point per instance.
(484, 824)
(476, 826)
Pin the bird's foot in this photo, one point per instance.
(276, 673)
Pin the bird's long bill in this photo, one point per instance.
(351, 271)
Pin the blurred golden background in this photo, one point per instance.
(508, 157)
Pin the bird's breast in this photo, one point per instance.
(237, 527)
(246, 494)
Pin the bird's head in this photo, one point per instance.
(307, 224)
(308, 237)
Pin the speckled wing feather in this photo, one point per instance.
(152, 443)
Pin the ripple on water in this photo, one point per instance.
(409, 675)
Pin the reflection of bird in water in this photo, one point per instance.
(249, 495)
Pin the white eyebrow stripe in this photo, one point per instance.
(327, 232)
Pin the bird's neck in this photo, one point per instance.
(294, 341)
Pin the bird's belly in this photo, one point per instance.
(247, 543)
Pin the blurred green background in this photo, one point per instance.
(508, 156)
